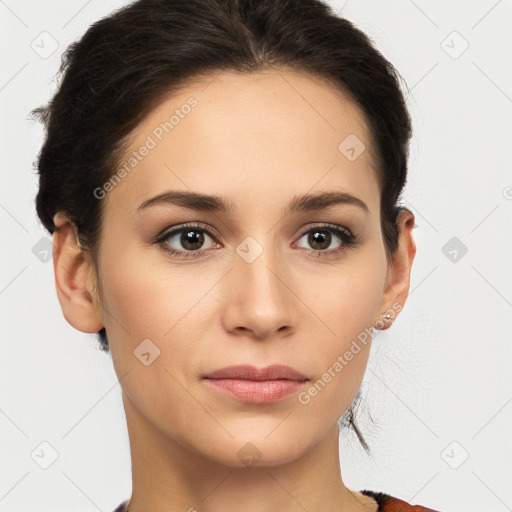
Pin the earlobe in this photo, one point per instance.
(73, 273)
(399, 275)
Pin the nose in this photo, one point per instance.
(259, 299)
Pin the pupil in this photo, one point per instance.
(317, 237)
(188, 239)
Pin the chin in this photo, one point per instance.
(256, 451)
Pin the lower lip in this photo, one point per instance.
(258, 392)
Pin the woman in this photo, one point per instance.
(221, 179)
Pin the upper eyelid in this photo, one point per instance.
(213, 233)
(193, 225)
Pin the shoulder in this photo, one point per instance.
(389, 503)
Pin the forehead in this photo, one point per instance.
(237, 134)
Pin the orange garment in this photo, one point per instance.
(386, 503)
(389, 503)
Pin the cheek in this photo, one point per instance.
(177, 307)
(147, 300)
(347, 299)
(348, 306)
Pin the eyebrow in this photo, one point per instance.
(217, 204)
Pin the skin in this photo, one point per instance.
(257, 140)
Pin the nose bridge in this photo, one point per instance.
(258, 266)
(259, 299)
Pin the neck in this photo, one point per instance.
(168, 475)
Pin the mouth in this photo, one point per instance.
(250, 384)
(248, 372)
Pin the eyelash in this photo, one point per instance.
(348, 239)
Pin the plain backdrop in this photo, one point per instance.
(438, 383)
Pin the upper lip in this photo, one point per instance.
(248, 372)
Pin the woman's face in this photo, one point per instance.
(250, 283)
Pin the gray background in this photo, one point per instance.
(439, 381)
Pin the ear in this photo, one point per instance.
(398, 277)
(74, 278)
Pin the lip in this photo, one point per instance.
(249, 372)
(250, 384)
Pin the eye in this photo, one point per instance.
(328, 239)
(186, 241)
